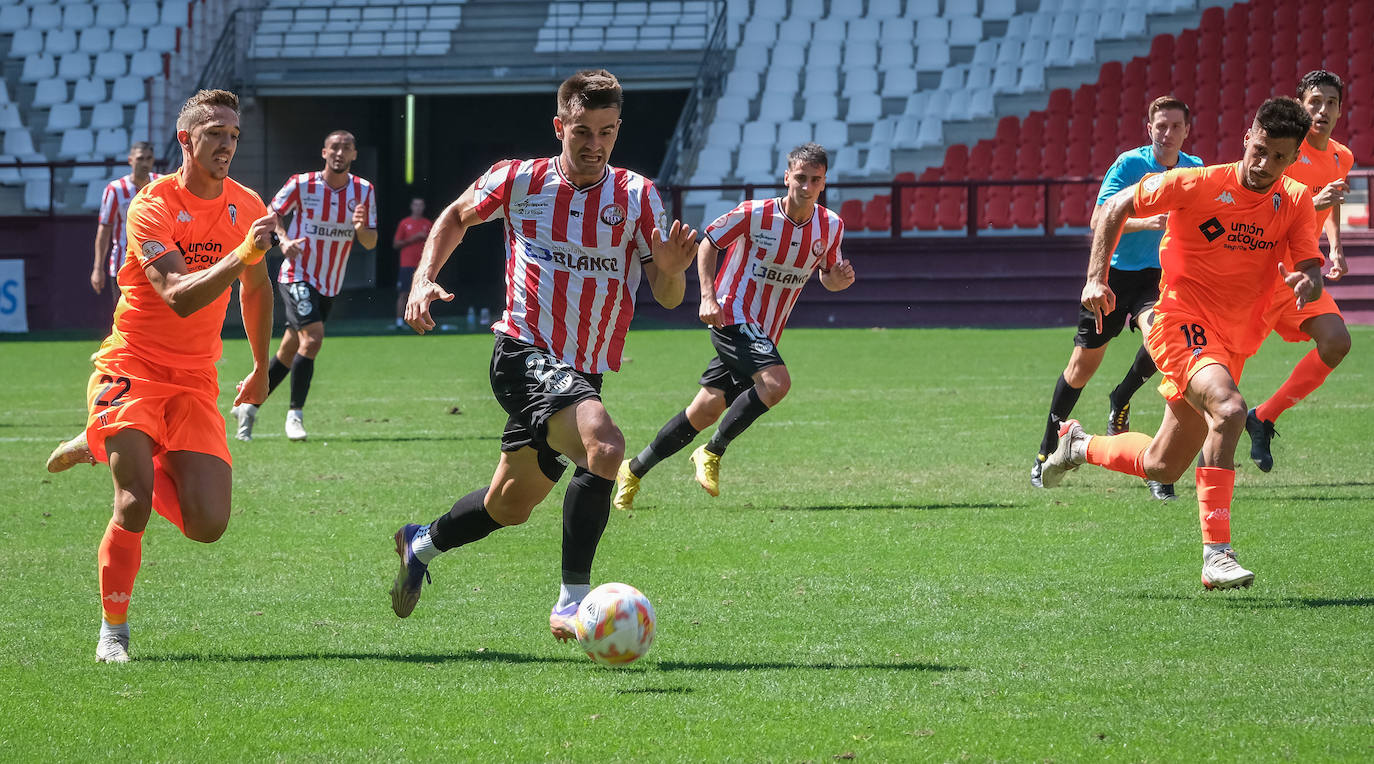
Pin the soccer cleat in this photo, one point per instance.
(246, 414)
(1119, 420)
(295, 425)
(1221, 570)
(708, 469)
(113, 644)
(626, 486)
(1161, 491)
(405, 589)
(1261, 432)
(1037, 468)
(70, 453)
(1071, 452)
(563, 621)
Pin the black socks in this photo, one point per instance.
(736, 420)
(1061, 405)
(467, 522)
(586, 508)
(672, 438)
(302, 370)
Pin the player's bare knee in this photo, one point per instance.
(772, 391)
(605, 452)
(1332, 348)
(508, 510)
(1228, 414)
(133, 506)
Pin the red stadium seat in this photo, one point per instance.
(1110, 76)
(1008, 128)
(1363, 148)
(1061, 101)
(980, 159)
(852, 213)
(956, 160)
(1213, 20)
(925, 201)
(1025, 208)
(997, 212)
(1361, 13)
(878, 213)
(951, 208)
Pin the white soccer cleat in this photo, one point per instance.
(1221, 570)
(1071, 452)
(113, 644)
(295, 425)
(246, 414)
(70, 453)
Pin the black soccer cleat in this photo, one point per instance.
(1119, 420)
(1261, 433)
(1161, 491)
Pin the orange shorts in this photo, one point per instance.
(1182, 345)
(175, 407)
(1284, 316)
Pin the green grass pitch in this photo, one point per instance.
(877, 581)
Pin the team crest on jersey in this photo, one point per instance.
(613, 214)
(352, 204)
(152, 248)
(817, 248)
(1277, 198)
(233, 215)
(1152, 183)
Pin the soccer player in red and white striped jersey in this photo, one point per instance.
(579, 236)
(110, 239)
(772, 246)
(331, 207)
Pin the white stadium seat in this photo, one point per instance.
(788, 56)
(985, 53)
(127, 40)
(770, 9)
(145, 63)
(732, 108)
(896, 55)
(823, 80)
(18, 143)
(110, 15)
(13, 18)
(1033, 52)
(64, 117)
(50, 91)
(1032, 78)
(753, 58)
(113, 142)
(776, 106)
(884, 9)
(621, 37)
(898, 83)
(9, 117)
(932, 133)
(95, 191)
(896, 30)
(45, 17)
(781, 79)
(162, 38)
(759, 32)
(998, 9)
(862, 32)
(74, 66)
(127, 90)
(174, 12)
(586, 38)
(723, 133)
(142, 15)
(831, 133)
(37, 67)
(445, 16)
(860, 80)
(9, 176)
(77, 15)
(1083, 51)
(935, 28)
(965, 30)
(856, 56)
(821, 106)
(793, 133)
(922, 9)
(864, 108)
(759, 133)
(94, 40)
(823, 55)
(828, 34)
(90, 91)
(106, 115)
(362, 44)
(742, 83)
(25, 45)
(932, 57)
(37, 194)
(59, 42)
(349, 17)
(433, 43)
(76, 143)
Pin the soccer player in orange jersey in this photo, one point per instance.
(1233, 229)
(152, 397)
(1321, 166)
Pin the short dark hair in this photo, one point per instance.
(200, 108)
(1168, 102)
(140, 146)
(808, 153)
(589, 89)
(344, 134)
(1283, 117)
(1321, 78)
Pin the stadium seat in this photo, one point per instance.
(145, 63)
(25, 45)
(896, 56)
(965, 30)
(781, 79)
(864, 108)
(38, 195)
(821, 107)
(860, 80)
(852, 213)
(723, 133)
(823, 56)
(127, 90)
(64, 117)
(759, 134)
(74, 66)
(110, 15)
(106, 115)
(998, 9)
(127, 39)
(920, 9)
(50, 91)
(732, 108)
(896, 31)
(877, 214)
(77, 15)
(163, 38)
(742, 83)
(9, 117)
(433, 43)
(45, 17)
(14, 18)
(777, 107)
(792, 134)
(90, 91)
(37, 67)
(879, 159)
(932, 57)
(757, 163)
(932, 29)
(76, 142)
(898, 83)
(94, 40)
(860, 56)
(9, 176)
(832, 134)
(59, 42)
(113, 142)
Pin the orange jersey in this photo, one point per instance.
(1315, 169)
(1223, 242)
(166, 220)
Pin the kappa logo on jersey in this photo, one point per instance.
(1225, 198)
(612, 214)
(1306, 160)
(233, 215)
(153, 248)
(1212, 229)
(184, 217)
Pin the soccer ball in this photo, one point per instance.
(615, 624)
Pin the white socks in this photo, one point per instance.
(570, 593)
(422, 546)
(1210, 549)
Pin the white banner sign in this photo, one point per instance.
(14, 309)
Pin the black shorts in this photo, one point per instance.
(303, 303)
(404, 277)
(1136, 294)
(742, 350)
(532, 385)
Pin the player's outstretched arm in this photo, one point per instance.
(185, 293)
(672, 255)
(255, 302)
(447, 233)
(1097, 296)
(839, 277)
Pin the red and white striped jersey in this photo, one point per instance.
(573, 256)
(769, 260)
(324, 216)
(114, 211)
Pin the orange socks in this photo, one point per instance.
(1120, 453)
(1307, 376)
(1214, 488)
(120, 554)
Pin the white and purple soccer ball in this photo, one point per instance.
(615, 624)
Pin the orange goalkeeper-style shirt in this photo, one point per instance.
(166, 220)
(1223, 243)
(1315, 169)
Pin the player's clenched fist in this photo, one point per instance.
(422, 293)
(674, 254)
(261, 231)
(1332, 193)
(360, 216)
(842, 275)
(709, 312)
